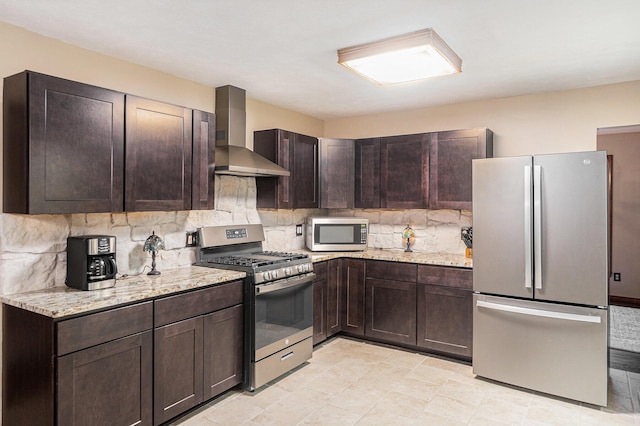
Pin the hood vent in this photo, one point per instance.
(232, 155)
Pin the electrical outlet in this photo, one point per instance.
(616, 276)
(298, 230)
(192, 239)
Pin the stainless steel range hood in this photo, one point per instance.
(232, 155)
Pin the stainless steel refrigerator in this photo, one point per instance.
(540, 273)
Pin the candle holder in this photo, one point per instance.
(153, 244)
(409, 236)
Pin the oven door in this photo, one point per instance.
(283, 314)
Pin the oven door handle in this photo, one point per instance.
(285, 283)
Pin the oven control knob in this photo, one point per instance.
(306, 267)
(287, 271)
(266, 275)
(274, 274)
(300, 268)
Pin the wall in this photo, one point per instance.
(533, 124)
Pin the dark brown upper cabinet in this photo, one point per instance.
(450, 166)
(296, 153)
(63, 146)
(158, 156)
(336, 173)
(367, 173)
(204, 159)
(404, 171)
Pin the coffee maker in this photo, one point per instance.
(91, 262)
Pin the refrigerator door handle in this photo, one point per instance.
(537, 226)
(528, 260)
(538, 312)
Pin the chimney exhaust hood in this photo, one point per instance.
(232, 155)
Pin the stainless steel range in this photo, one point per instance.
(278, 299)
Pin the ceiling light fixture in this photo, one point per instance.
(400, 59)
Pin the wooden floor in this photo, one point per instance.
(624, 360)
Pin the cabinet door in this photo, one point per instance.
(319, 311)
(367, 173)
(445, 322)
(334, 300)
(223, 350)
(158, 156)
(404, 171)
(391, 310)
(352, 311)
(204, 159)
(108, 384)
(305, 172)
(450, 166)
(336, 173)
(177, 368)
(63, 146)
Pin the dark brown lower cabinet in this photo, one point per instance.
(177, 368)
(391, 310)
(223, 348)
(320, 303)
(353, 289)
(107, 384)
(333, 296)
(445, 322)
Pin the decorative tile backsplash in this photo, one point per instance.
(33, 247)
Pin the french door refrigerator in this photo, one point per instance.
(540, 273)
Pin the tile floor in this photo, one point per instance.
(349, 382)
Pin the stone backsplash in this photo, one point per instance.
(33, 247)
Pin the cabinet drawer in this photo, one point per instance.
(446, 276)
(90, 330)
(182, 306)
(321, 270)
(391, 270)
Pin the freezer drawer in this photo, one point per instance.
(551, 348)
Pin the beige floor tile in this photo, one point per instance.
(499, 410)
(429, 374)
(331, 415)
(417, 388)
(453, 409)
(351, 382)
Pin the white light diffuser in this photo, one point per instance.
(414, 56)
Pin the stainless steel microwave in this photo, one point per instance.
(337, 233)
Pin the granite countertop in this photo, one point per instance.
(59, 302)
(440, 259)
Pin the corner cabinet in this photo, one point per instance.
(367, 173)
(352, 287)
(158, 156)
(336, 173)
(320, 303)
(296, 153)
(63, 146)
(450, 166)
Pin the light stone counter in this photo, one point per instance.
(440, 259)
(58, 302)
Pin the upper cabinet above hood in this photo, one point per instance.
(232, 155)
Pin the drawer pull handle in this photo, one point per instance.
(286, 356)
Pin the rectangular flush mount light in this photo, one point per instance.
(409, 57)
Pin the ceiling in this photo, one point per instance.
(283, 52)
